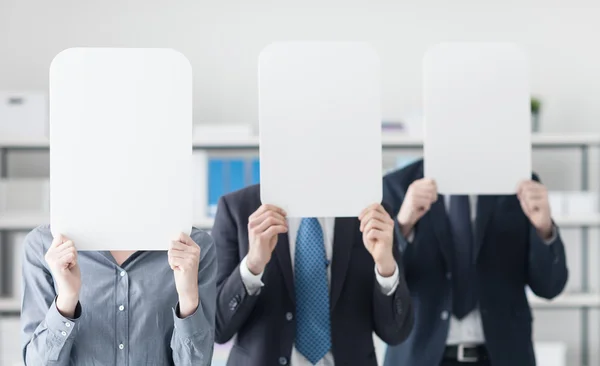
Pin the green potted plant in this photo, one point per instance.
(536, 106)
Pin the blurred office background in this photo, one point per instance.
(223, 38)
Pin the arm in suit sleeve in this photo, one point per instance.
(234, 304)
(547, 271)
(393, 314)
(393, 197)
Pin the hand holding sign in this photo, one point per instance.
(534, 202)
(264, 226)
(62, 261)
(378, 236)
(184, 259)
(421, 194)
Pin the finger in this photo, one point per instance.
(179, 246)
(264, 208)
(65, 248)
(375, 235)
(185, 239)
(375, 215)
(175, 262)
(275, 230)
(66, 259)
(58, 240)
(259, 220)
(375, 225)
(421, 202)
(177, 254)
(269, 222)
(428, 196)
(367, 209)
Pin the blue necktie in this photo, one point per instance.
(313, 323)
(463, 285)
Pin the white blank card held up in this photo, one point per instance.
(477, 118)
(320, 128)
(120, 147)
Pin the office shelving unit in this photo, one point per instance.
(584, 301)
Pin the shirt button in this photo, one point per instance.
(289, 316)
(121, 308)
(448, 275)
(282, 361)
(122, 273)
(121, 346)
(64, 334)
(444, 315)
(68, 325)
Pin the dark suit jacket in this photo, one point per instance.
(264, 323)
(509, 255)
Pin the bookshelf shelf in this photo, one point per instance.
(388, 141)
(10, 305)
(567, 300)
(31, 220)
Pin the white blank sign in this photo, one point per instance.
(477, 117)
(320, 128)
(120, 147)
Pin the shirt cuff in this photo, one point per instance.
(252, 282)
(410, 237)
(192, 325)
(553, 237)
(58, 325)
(388, 284)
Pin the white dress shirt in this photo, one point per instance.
(253, 282)
(468, 330)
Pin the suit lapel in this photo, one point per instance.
(282, 251)
(485, 211)
(343, 239)
(439, 222)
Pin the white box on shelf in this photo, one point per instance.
(23, 116)
(200, 188)
(557, 203)
(24, 195)
(18, 241)
(551, 353)
(581, 203)
(10, 347)
(212, 132)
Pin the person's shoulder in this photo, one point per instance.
(204, 241)
(38, 239)
(201, 237)
(410, 172)
(252, 191)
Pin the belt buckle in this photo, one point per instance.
(460, 356)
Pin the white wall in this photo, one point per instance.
(223, 38)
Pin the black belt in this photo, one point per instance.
(466, 353)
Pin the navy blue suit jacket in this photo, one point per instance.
(509, 255)
(264, 323)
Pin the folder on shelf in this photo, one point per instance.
(216, 186)
(255, 176)
(229, 174)
(237, 175)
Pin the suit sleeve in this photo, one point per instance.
(393, 196)
(547, 271)
(234, 304)
(393, 314)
